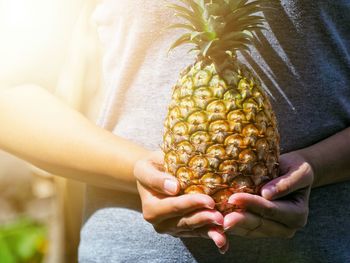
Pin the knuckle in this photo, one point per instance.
(283, 188)
(302, 223)
(149, 217)
(148, 214)
(290, 234)
(297, 224)
(301, 219)
(160, 229)
(187, 225)
(175, 206)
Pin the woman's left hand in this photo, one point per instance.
(283, 207)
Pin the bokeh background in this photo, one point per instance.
(45, 42)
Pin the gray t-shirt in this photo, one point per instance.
(304, 62)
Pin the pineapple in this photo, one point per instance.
(220, 133)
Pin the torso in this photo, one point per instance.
(304, 63)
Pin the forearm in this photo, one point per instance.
(330, 159)
(37, 127)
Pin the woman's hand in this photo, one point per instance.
(283, 207)
(180, 216)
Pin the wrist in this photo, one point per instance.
(113, 158)
(329, 159)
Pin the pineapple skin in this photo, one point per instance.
(220, 133)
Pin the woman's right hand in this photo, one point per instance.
(180, 216)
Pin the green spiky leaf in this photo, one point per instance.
(182, 26)
(185, 38)
(206, 48)
(219, 28)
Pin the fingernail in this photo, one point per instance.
(224, 249)
(218, 223)
(170, 186)
(212, 235)
(226, 228)
(215, 237)
(268, 192)
(210, 206)
(227, 224)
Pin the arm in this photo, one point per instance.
(44, 131)
(330, 159)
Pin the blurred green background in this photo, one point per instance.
(22, 241)
(28, 207)
(39, 39)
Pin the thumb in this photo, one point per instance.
(148, 174)
(295, 179)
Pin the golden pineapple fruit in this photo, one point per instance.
(220, 133)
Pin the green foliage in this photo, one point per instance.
(219, 27)
(23, 241)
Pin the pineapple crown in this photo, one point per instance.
(218, 28)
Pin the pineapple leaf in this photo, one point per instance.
(218, 9)
(242, 47)
(242, 24)
(181, 9)
(197, 8)
(183, 26)
(237, 35)
(256, 28)
(216, 25)
(193, 50)
(204, 49)
(236, 4)
(185, 38)
(219, 28)
(241, 14)
(242, 3)
(195, 35)
(193, 20)
(231, 45)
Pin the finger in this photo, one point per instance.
(190, 222)
(218, 236)
(214, 234)
(261, 233)
(292, 213)
(148, 174)
(295, 179)
(157, 209)
(225, 248)
(203, 233)
(250, 225)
